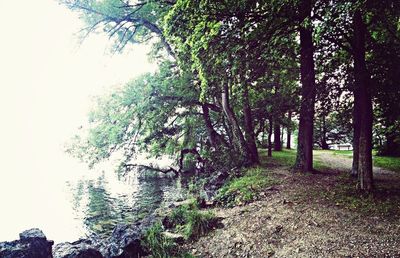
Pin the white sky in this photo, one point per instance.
(46, 81)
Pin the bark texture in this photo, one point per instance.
(289, 131)
(248, 127)
(304, 158)
(239, 142)
(363, 101)
(277, 136)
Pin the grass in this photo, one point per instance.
(389, 163)
(187, 220)
(159, 246)
(286, 158)
(191, 222)
(245, 189)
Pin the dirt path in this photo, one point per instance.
(292, 221)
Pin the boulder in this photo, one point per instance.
(124, 242)
(82, 248)
(32, 244)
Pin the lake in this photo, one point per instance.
(68, 201)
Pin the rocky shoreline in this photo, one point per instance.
(125, 241)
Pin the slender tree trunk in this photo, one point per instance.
(215, 138)
(277, 136)
(269, 137)
(365, 112)
(248, 127)
(324, 144)
(289, 131)
(238, 138)
(304, 159)
(228, 130)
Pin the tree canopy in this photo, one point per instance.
(232, 71)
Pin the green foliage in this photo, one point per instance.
(155, 113)
(246, 188)
(159, 245)
(192, 222)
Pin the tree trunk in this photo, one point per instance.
(364, 102)
(215, 138)
(228, 131)
(304, 158)
(248, 127)
(289, 131)
(269, 137)
(238, 138)
(324, 144)
(356, 133)
(277, 136)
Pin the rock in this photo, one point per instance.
(79, 249)
(125, 242)
(33, 233)
(32, 244)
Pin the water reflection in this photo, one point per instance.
(101, 202)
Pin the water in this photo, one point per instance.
(103, 202)
(68, 201)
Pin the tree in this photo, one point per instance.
(304, 158)
(125, 22)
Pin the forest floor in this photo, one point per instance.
(314, 215)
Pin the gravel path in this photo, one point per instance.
(285, 222)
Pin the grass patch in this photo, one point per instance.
(245, 189)
(191, 222)
(348, 153)
(158, 245)
(187, 220)
(286, 158)
(389, 163)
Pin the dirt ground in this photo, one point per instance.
(289, 221)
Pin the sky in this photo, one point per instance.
(47, 80)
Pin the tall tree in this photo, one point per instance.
(304, 158)
(362, 103)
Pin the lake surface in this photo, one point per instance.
(68, 201)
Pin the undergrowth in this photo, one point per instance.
(158, 244)
(191, 222)
(187, 220)
(246, 188)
